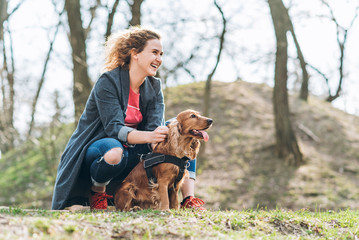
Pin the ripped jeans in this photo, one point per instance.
(102, 172)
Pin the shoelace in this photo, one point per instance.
(98, 201)
(193, 201)
(198, 201)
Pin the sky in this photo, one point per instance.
(250, 35)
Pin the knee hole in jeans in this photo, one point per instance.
(113, 156)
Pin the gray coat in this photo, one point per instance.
(103, 116)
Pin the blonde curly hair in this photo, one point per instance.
(119, 45)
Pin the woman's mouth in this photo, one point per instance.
(155, 66)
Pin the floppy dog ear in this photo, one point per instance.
(179, 127)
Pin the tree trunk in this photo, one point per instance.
(3, 16)
(286, 142)
(7, 130)
(82, 84)
(136, 12)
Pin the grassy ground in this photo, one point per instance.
(16, 223)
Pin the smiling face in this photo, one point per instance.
(150, 58)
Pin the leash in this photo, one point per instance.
(152, 159)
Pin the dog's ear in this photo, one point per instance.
(179, 127)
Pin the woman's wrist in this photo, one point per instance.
(140, 137)
(149, 137)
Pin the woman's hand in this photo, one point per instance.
(153, 137)
(159, 134)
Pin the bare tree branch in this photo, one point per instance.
(16, 7)
(323, 75)
(207, 94)
(93, 16)
(342, 32)
(111, 16)
(42, 80)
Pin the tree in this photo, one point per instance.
(42, 79)
(341, 35)
(207, 93)
(303, 65)
(8, 132)
(286, 142)
(136, 12)
(305, 76)
(82, 84)
(110, 18)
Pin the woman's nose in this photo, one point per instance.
(159, 59)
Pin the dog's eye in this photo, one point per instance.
(193, 116)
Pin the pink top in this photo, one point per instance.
(133, 114)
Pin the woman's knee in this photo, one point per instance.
(114, 156)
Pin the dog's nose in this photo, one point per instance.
(209, 121)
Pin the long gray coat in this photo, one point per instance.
(103, 116)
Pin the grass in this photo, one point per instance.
(16, 223)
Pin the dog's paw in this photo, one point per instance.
(165, 210)
(135, 209)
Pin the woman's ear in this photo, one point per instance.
(134, 53)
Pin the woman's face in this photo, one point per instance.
(150, 59)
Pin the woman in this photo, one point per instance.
(123, 117)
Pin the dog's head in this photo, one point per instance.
(191, 123)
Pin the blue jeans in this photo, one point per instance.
(102, 172)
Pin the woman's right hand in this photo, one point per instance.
(159, 134)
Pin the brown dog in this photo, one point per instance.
(135, 192)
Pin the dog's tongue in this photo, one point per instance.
(205, 135)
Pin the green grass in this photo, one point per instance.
(28, 172)
(149, 224)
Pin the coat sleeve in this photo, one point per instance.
(155, 109)
(108, 98)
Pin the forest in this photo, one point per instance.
(278, 78)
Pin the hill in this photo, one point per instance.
(238, 168)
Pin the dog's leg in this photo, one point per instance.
(173, 197)
(163, 191)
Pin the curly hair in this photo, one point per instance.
(119, 45)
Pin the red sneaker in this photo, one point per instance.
(98, 201)
(193, 203)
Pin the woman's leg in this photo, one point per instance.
(105, 159)
(189, 201)
(133, 159)
(187, 188)
(111, 162)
